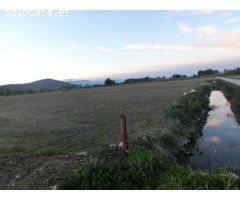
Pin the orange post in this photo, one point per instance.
(123, 130)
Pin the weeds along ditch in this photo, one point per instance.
(151, 162)
(146, 169)
(232, 93)
(184, 121)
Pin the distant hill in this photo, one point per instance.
(40, 84)
(85, 83)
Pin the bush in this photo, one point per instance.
(189, 107)
(177, 112)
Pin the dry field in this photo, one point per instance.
(78, 121)
(83, 118)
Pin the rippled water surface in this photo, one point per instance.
(220, 142)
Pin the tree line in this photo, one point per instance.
(200, 73)
(5, 91)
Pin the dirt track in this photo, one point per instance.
(235, 81)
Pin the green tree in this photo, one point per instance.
(109, 82)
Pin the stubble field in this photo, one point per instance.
(84, 118)
(78, 123)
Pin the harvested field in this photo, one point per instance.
(82, 118)
(74, 123)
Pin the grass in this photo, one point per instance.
(50, 151)
(137, 171)
(147, 169)
(179, 177)
(147, 122)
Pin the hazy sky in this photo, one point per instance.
(119, 44)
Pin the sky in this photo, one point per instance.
(91, 45)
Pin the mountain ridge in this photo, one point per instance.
(40, 84)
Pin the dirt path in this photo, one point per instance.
(31, 172)
(234, 81)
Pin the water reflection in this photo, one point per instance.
(214, 121)
(220, 143)
(212, 140)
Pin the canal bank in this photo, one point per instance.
(216, 137)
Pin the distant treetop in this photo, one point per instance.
(109, 82)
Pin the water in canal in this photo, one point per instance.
(220, 142)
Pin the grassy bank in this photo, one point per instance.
(151, 163)
(232, 93)
(184, 121)
(146, 169)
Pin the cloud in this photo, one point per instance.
(225, 14)
(228, 38)
(104, 49)
(233, 20)
(87, 47)
(184, 28)
(206, 12)
(177, 47)
(74, 46)
(209, 29)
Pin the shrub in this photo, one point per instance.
(177, 112)
(189, 107)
